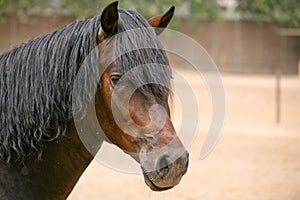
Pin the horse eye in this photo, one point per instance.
(115, 79)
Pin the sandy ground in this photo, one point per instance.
(255, 158)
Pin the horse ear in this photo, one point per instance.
(161, 21)
(109, 21)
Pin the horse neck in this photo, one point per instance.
(63, 162)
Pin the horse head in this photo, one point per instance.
(132, 97)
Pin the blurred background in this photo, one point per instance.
(256, 46)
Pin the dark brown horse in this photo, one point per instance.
(42, 156)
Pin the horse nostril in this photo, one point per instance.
(163, 166)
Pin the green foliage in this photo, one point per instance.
(203, 9)
(286, 13)
(198, 9)
(88, 8)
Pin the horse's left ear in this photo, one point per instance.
(161, 21)
(109, 21)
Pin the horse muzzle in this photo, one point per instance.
(164, 167)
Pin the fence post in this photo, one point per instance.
(277, 95)
(299, 68)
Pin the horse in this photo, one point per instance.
(41, 153)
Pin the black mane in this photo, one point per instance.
(148, 62)
(37, 80)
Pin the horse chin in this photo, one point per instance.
(152, 186)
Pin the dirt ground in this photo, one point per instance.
(255, 158)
